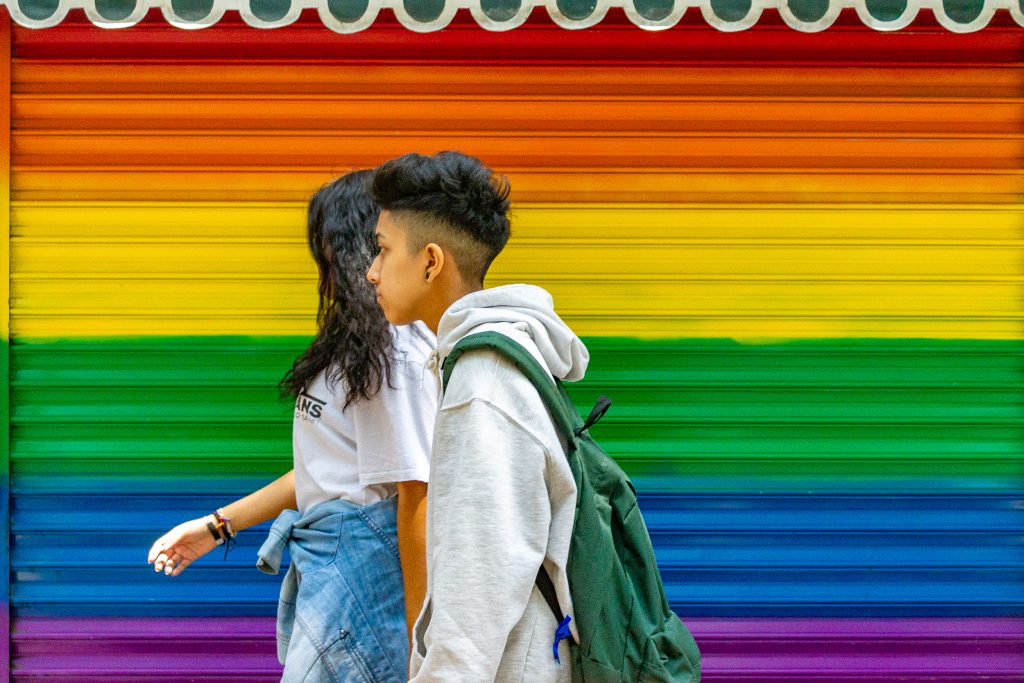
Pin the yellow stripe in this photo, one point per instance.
(743, 271)
(285, 221)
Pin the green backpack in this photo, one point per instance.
(627, 631)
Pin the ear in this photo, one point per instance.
(435, 261)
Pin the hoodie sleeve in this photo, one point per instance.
(490, 515)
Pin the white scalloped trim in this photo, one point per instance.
(453, 6)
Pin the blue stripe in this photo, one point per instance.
(738, 555)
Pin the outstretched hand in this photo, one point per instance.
(181, 546)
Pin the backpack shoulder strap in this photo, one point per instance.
(549, 388)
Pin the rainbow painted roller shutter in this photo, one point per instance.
(811, 324)
(5, 335)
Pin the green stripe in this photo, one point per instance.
(907, 415)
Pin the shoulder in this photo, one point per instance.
(488, 376)
(413, 343)
(408, 384)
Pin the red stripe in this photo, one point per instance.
(614, 41)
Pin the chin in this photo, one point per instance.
(395, 319)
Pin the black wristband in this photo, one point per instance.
(213, 532)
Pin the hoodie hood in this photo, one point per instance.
(523, 312)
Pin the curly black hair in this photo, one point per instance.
(354, 341)
(455, 199)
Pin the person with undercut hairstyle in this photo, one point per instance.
(502, 498)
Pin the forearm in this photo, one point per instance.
(412, 545)
(264, 504)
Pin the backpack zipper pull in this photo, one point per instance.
(561, 633)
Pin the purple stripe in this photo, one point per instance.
(857, 628)
(5, 611)
(173, 629)
(709, 629)
(28, 627)
(231, 650)
(180, 676)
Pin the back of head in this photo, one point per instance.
(450, 199)
(353, 341)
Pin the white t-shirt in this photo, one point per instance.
(359, 453)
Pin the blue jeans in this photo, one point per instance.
(341, 616)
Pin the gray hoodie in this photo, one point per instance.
(501, 501)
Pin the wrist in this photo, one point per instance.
(219, 527)
(224, 521)
(210, 522)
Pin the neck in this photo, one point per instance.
(448, 297)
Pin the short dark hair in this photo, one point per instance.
(454, 200)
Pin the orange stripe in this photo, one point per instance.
(653, 115)
(536, 185)
(536, 80)
(514, 148)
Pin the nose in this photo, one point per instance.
(373, 274)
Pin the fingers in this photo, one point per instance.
(179, 547)
(171, 563)
(156, 549)
(168, 561)
(179, 566)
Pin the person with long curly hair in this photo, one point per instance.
(352, 510)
